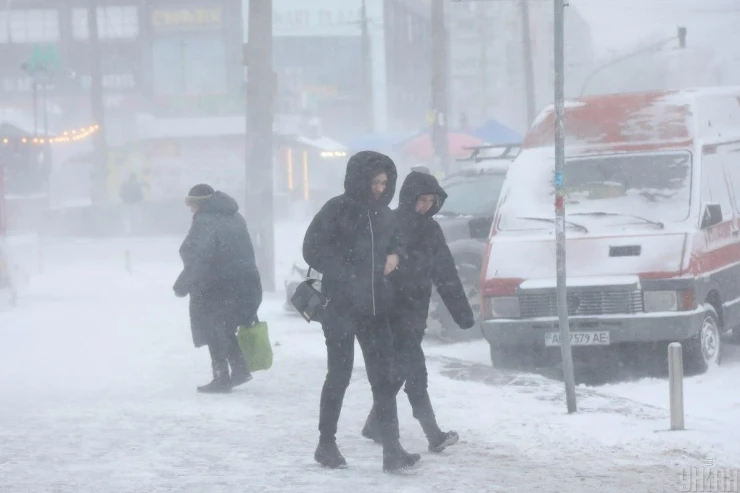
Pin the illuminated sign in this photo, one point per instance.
(179, 19)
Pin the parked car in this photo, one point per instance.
(652, 208)
(466, 221)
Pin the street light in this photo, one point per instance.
(681, 36)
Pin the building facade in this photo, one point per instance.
(320, 63)
(487, 59)
(165, 57)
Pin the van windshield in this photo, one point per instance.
(654, 186)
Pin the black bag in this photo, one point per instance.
(309, 301)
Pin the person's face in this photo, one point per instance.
(379, 183)
(424, 203)
(193, 209)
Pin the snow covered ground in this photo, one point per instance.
(98, 377)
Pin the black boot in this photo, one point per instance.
(327, 454)
(396, 459)
(370, 430)
(439, 442)
(239, 372)
(219, 385)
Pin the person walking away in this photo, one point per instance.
(131, 193)
(353, 242)
(220, 275)
(428, 262)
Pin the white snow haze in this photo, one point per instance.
(103, 133)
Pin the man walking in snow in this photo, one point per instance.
(427, 261)
(353, 242)
(220, 275)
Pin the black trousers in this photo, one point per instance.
(225, 353)
(373, 333)
(411, 363)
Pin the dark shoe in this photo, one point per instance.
(370, 430)
(396, 459)
(238, 378)
(328, 455)
(219, 385)
(440, 442)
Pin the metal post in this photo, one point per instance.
(35, 96)
(100, 150)
(45, 111)
(259, 159)
(675, 385)
(367, 70)
(565, 349)
(528, 63)
(439, 85)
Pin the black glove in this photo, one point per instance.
(467, 323)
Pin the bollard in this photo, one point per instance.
(675, 384)
(127, 260)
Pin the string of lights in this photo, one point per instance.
(64, 137)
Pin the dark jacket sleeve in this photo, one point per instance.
(321, 245)
(396, 244)
(197, 253)
(448, 284)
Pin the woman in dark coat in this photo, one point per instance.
(427, 262)
(220, 275)
(354, 243)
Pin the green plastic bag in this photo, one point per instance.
(255, 345)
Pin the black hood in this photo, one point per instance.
(219, 203)
(361, 169)
(417, 184)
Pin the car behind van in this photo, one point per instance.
(652, 205)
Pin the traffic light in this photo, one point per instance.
(681, 37)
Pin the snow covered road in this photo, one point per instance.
(98, 377)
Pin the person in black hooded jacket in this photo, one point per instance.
(354, 243)
(427, 262)
(220, 275)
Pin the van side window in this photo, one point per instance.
(714, 185)
(731, 158)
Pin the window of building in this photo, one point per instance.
(194, 66)
(115, 22)
(29, 26)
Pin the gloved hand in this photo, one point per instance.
(467, 323)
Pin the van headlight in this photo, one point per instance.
(503, 307)
(660, 301)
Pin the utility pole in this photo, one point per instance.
(531, 101)
(565, 349)
(100, 147)
(261, 85)
(439, 85)
(367, 71)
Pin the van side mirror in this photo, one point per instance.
(711, 216)
(480, 227)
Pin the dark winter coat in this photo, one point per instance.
(427, 260)
(350, 237)
(220, 272)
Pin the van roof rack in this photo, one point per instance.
(509, 152)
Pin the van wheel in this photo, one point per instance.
(704, 351)
(503, 356)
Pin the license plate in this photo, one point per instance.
(589, 338)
